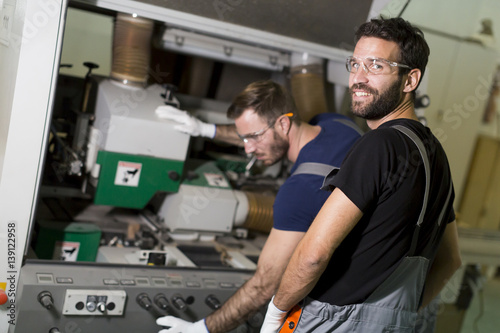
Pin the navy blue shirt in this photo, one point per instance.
(300, 198)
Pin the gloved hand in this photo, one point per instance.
(274, 319)
(177, 325)
(188, 124)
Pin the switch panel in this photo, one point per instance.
(103, 298)
(85, 302)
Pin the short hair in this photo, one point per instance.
(413, 49)
(268, 99)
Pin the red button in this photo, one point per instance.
(3, 297)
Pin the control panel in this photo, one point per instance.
(96, 297)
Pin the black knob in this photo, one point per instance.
(191, 175)
(144, 301)
(54, 330)
(45, 298)
(79, 306)
(422, 101)
(174, 175)
(179, 303)
(90, 66)
(162, 302)
(169, 90)
(212, 302)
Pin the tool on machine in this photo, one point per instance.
(168, 95)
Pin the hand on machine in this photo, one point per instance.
(177, 325)
(187, 123)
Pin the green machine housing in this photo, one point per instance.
(132, 180)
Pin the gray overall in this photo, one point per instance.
(392, 307)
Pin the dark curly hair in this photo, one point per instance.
(413, 49)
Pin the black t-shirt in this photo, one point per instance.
(384, 176)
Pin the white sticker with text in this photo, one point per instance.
(214, 179)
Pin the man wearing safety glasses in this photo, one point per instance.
(267, 123)
(385, 242)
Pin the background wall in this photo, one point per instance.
(87, 37)
(459, 74)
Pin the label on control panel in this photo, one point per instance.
(86, 302)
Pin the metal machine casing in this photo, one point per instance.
(206, 202)
(127, 123)
(200, 208)
(137, 153)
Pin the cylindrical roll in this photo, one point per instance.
(260, 212)
(308, 85)
(131, 49)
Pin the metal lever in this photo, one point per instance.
(101, 307)
(162, 302)
(144, 301)
(179, 303)
(87, 85)
(212, 302)
(45, 298)
(168, 95)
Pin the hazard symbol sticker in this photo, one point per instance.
(128, 174)
(66, 251)
(214, 179)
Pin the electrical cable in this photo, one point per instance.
(404, 8)
(475, 329)
(497, 122)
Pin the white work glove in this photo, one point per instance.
(274, 319)
(177, 325)
(188, 124)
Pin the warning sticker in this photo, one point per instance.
(66, 251)
(128, 174)
(214, 179)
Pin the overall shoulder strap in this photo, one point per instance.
(313, 168)
(421, 148)
(423, 153)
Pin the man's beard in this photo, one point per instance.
(382, 104)
(277, 150)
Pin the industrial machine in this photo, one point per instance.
(113, 217)
(134, 228)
